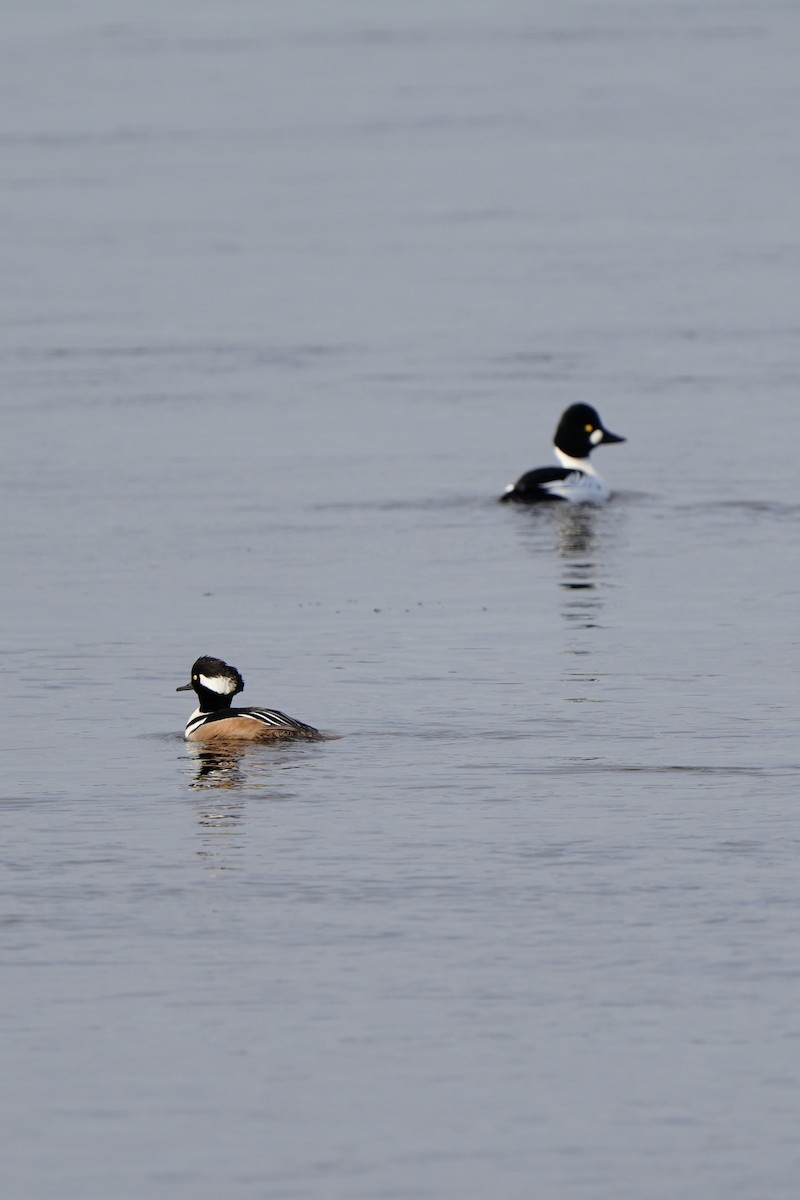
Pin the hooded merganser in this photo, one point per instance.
(214, 720)
(579, 431)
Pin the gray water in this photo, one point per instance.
(291, 290)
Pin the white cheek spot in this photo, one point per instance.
(219, 684)
(596, 437)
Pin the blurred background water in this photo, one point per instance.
(290, 293)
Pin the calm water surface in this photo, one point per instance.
(291, 292)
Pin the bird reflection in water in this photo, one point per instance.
(576, 526)
(577, 536)
(581, 606)
(216, 768)
(229, 778)
(220, 816)
(580, 535)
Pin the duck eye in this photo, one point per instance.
(588, 428)
(194, 677)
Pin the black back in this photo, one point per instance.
(529, 487)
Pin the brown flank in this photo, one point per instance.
(247, 729)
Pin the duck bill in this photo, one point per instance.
(612, 437)
(187, 687)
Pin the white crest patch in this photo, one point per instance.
(223, 685)
(596, 437)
